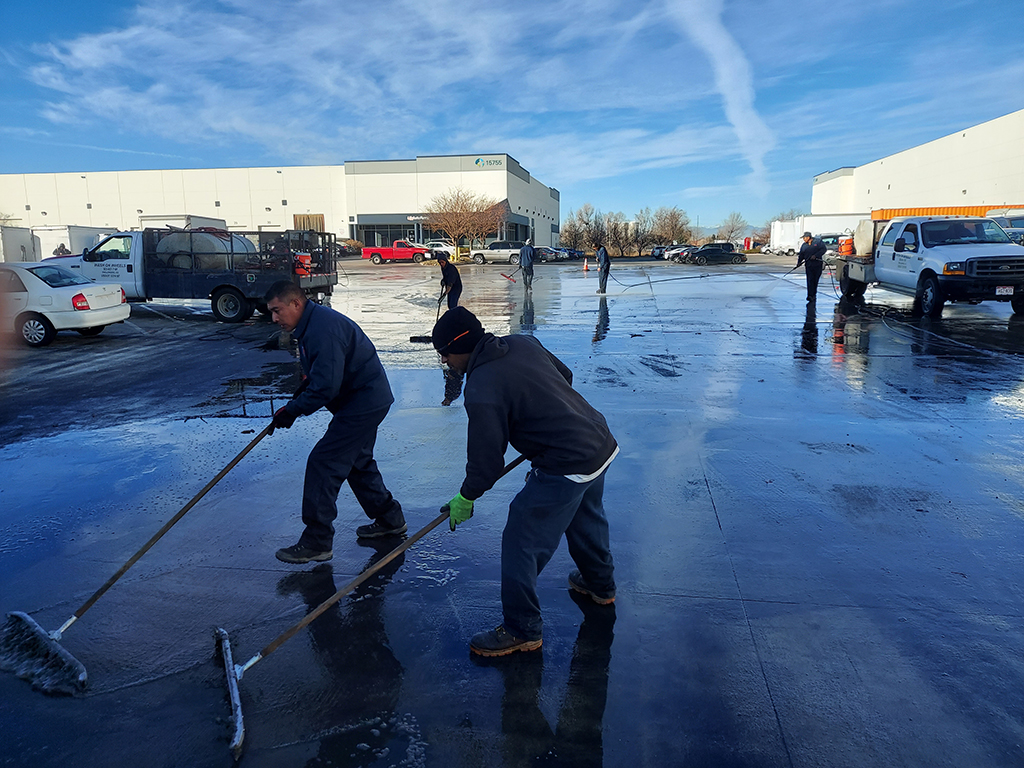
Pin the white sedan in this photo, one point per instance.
(37, 300)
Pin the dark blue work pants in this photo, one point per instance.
(813, 270)
(547, 507)
(603, 278)
(345, 452)
(453, 297)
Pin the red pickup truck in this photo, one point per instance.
(402, 250)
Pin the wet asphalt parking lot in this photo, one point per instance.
(816, 516)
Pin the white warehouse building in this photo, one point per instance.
(374, 202)
(974, 169)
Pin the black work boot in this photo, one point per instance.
(391, 524)
(577, 584)
(498, 642)
(300, 554)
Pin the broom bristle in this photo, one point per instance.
(30, 653)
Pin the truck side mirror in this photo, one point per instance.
(900, 245)
(88, 255)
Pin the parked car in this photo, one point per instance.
(671, 251)
(544, 253)
(39, 299)
(443, 246)
(658, 251)
(716, 253)
(499, 250)
(681, 254)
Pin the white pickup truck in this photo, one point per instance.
(231, 269)
(935, 259)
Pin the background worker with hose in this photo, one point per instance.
(526, 254)
(811, 253)
(343, 374)
(604, 262)
(518, 393)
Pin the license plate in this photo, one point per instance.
(1004, 290)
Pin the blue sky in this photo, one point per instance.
(711, 105)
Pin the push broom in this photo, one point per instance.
(32, 653)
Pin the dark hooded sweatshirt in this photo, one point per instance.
(340, 364)
(518, 393)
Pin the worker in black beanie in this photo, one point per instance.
(518, 393)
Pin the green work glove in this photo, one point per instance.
(460, 509)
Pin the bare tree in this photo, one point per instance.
(643, 230)
(618, 230)
(672, 225)
(596, 230)
(571, 234)
(463, 214)
(733, 228)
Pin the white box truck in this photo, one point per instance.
(18, 244)
(785, 234)
(75, 238)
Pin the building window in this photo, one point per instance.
(284, 202)
(216, 203)
(28, 207)
(88, 206)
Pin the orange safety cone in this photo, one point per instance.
(585, 267)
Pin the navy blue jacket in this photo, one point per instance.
(450, 277)
(340, 363)
(519, 394)
(526, 256)
(812, 251)
(602, 258)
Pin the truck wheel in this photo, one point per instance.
(96, 330)
(35, 330)
(377, 258)
(230, 306)
(417, 258)
(513, 259)
(1017, 302)
(479, 258)
(930, 296)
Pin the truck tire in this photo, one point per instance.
(96, 330)
(417, 258)
(850, 288)
(376, 258)
(479, 258)
(514, 259)
(230, 306)
(929, 296)
(1017, 302)
(35, 330)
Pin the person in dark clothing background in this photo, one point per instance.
(451, 281)
(811, 254)
(341, 371)
(518, 393)
(526, 264)
(605, 265)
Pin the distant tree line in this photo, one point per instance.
(587, 227)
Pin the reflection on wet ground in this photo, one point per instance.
(816, 522)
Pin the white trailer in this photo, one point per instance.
(18, 244)
(180, 221)
(786, 234)
(75, 238)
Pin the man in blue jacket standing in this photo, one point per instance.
(519, 394)
(341, 371)
(811, 255)
(526, 255)
(605, 264)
